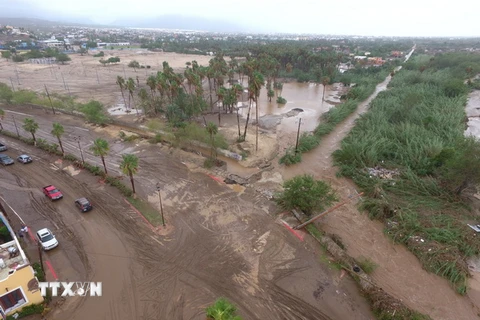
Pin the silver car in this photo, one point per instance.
(24, 159)
(3, 147)
(6, 160)
(47, 239)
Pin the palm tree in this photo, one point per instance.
(212, 130)
(100, 149)
(121, 84)
(130, 85)
(2, 114)
(222, 310)
(152, 83)
(129, 166)
(257, 82)
(57, 132)
(31, 126)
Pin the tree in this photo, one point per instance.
(31, 126)
(222, 310)
(130, 85)
(212, 130)
(83, 51)
(62, 58)
(459, 167)
(129, 166)
(6, 54)
(2, 114)
(91, 44)
(57, 132)
(94, 112)
(100, 149)
(306, 194)
(270, 94)
(134, 64)
(121, 84)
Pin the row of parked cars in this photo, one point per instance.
(46, 238)
(6, 160)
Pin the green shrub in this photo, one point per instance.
(367, 265)
(290, 157)
(156, 139)
(281, 100)
(119, 185)
(38, 271)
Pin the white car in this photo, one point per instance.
(47, 239)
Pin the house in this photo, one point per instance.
(18, 283)
(52, 43)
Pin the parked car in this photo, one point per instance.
(83, 204)
(24, 159)
(47, 239)
(3, 147)
(52, 192)
(6, 160)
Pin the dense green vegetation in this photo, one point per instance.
(417, 127)
(365, 81)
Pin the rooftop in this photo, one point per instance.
(12, 255)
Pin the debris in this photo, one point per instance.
(475, 227)
(383, 173)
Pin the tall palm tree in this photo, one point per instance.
(121, 84)
(152, 84)
(129, 166)
(2, 114)
(100, 149)
(130, 85)
(31, 126)
(57, 132)
(257, 82)
(222, 310)
(212, 130)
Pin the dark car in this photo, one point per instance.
(24, 159)
(6, 160)
(3, 147)
(83, 204)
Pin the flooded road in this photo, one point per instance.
(218, 241)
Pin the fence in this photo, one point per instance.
(43, 60)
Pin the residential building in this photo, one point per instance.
(18, 283)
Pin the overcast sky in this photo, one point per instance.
(359, 17)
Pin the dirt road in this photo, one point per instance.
(399, 272)
(219, 242)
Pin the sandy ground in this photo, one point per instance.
(219, 241)
(84, 76)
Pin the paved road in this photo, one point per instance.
(219, 242)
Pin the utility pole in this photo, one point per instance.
(48, 95)
(298, 135)
(40, 256)
(124, 73)
(15, 123)
(161, 205)
(98, 80)
(11, 82)
(64, 85)
(16, 72)
(300, 226)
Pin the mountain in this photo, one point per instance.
(182, 22)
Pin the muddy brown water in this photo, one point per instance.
(399, 272)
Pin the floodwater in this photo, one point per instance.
(304, 96)
(473, 114)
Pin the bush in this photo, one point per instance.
(94, 112)
(38, 271)
(281, 100)
(99, 55)
(156, 139)
(119, 185)
(306, 194)
(29, 310)
(290, 157)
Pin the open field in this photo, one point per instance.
(86, 78)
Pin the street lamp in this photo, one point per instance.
(80, 147)
(161, 205)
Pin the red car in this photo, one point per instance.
(52, 192)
